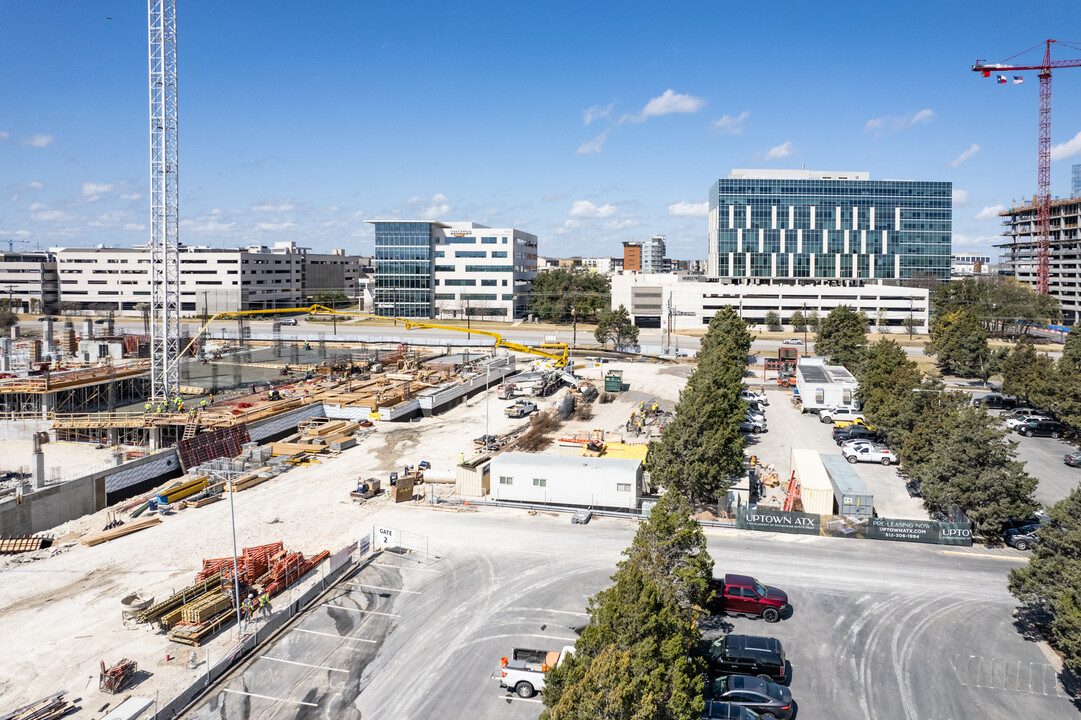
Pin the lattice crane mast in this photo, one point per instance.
(1043, 171)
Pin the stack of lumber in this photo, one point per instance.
(185, 490)
(290, 568)
(251, 479)
(48, 708)
(251, 565)
(205, 585)
(284, 448)
(126, 529)
(195, 634)
(205, 608)
(24, 543)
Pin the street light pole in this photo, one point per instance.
(487, 380)
(236, 575)
(804, 327)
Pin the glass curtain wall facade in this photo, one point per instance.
(814, 230)
(403, 269)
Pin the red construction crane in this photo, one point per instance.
(1043, 172)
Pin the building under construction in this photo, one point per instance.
(1020, 252)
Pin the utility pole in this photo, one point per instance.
(804, 327)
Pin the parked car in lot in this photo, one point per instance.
(870, 453)
(520, 409)
(840, 413)
(752, 396)
(791, 341)
(994, 401)
(1042, 428)
(1073, 459)
(756, 416)
(743, 595)
(767, 699)
(853, 432)
(728, 711)
(853, 444)
(856, 421)
(288, 321)
(1020, 418)
(752, 426)
(1023, 537)
(762, 657)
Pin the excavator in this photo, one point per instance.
(558, 354)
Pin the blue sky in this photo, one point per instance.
(584, 123)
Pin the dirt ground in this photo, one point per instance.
(60, 608)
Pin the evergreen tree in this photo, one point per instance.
(1053, 575)
(879, 362)
(616, 326)
(773, 320)
(959, 342)
(842, 336)
(797, 321)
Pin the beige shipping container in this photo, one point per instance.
(815, 488)
(473, 481)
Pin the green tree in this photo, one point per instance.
(1067, 402)
(814, 321)
(1030, 375)
(1052, 576)
(972, 467)
(7, 319)
(633, 659)
(773, 320)
(999, 303)
(910, 323)
(331, 298)
(1071, 349)
(616, 326)
(880, 361)
(842, 336)
(959, 342)
(797, 321)
(555, 292)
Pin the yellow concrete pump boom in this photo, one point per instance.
(558, 353)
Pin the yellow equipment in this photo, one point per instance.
(558, 353)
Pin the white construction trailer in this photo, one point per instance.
(823, 386)
(591, 482)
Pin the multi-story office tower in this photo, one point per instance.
(1019, 253)
(428, 269)
(804, 226)
(28, 281)
(653, 255)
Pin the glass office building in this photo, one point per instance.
(803, 226)
(403, 268)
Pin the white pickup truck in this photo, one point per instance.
(523, 672)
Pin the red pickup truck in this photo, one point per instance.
(743, 595)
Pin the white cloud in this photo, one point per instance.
(38, 140)
(50, 216)
(439, 197)
(960, 198)
(274, 208)
(93, 191)
(981, 243)
(586, 209)
(923, 116)
(111, 218)
(990, 212)
(37, 206)
(134, 226)
(274, 227)
(780, 151)
(1067, 149)
(436, 211)
(596, 112)
(620, 224)
(436, 206)
(899, 122)
(131, 196)
(4, 134)
(972, 150)
(207, 226)
(593, 146)
(687, 209)
(732, 125)
(665, 104)
(33, 185)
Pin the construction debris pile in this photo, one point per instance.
(194, 614)
(24, 543)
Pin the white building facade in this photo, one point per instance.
(688, 301)
(482, 272)
(28, 281)
(653, 255)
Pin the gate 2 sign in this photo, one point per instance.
(385, 537)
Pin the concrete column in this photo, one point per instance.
(88, 329)
(37, 463)
(155, 438)
(14, 332)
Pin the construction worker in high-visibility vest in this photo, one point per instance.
(202, 403)
(161, 408)
(148, 408)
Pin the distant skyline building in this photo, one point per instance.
(1020, 252)
(646, 256)
(427, 269)
(1075, 185)
(806, 226)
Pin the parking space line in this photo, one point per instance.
(334, 635)
(370, 612)
(518, 699)
(377, 587)
(268, 697)
(988, 556)
(402, 567)
(293, 662)
(546, 610)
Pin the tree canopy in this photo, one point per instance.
(633, 661)
(998, 303)
(558, 291)
(959, 342)
(842, 336)
(617, 327)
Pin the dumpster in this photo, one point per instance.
(613, 381)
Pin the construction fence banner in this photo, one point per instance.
(920, 531)
(364, 545)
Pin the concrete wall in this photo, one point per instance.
(261, 429)
(44, 509)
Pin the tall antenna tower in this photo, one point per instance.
(164, 240)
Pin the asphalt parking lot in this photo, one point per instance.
(788, 429)
(882, 630)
